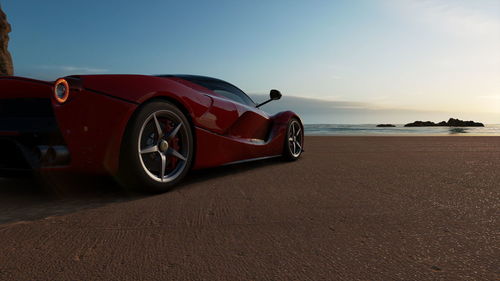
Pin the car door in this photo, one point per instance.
(232, 112)
(252, 123)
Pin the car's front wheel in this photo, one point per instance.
(157, 151)
(294, 141)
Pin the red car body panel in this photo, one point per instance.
(93, 132)
(15, 87)
(93, 121)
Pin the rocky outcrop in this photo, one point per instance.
(422, 124)
(459, 123)
(451, 123)
(6, 67)
(386, 126)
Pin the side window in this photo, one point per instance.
(231, 96)
(226, 90)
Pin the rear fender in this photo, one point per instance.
(141, 88)
(92, 126)
(18, 87)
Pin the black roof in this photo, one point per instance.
(192, 77)
(208, 83)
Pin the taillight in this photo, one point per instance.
(61, 90)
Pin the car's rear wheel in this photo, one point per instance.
(294, 141)
(157, 151)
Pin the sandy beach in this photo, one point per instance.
(352, 208)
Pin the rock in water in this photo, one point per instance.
(6, 67)
(451, 123)
(422, 124)
(459, 123)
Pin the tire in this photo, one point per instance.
(294, 140)
(157, 149)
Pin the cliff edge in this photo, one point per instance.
(6, 67)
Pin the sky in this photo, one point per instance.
(340, 62)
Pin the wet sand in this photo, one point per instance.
(353, 208)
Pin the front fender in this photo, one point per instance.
(285, 116)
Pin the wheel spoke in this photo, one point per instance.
(299, 146)
(158, 127)
(290, 139)
(298, 132)
(176, 154)
(163, 166)
(174, 132)
(150, 149)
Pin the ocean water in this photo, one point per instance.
(399, 130)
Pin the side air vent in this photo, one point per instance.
(25, 108)
(27, 115)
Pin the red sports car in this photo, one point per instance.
(148, 131)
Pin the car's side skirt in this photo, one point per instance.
(216, 150)
(252, 160)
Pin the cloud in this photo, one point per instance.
(318, 111)
(51, 72)
(75, 69)
(457, 17)
(490, 97)
(309, 104)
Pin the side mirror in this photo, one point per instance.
(273, 95)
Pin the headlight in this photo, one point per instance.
(61, 90)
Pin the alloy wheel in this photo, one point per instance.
(163, 146)
(295, 137)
